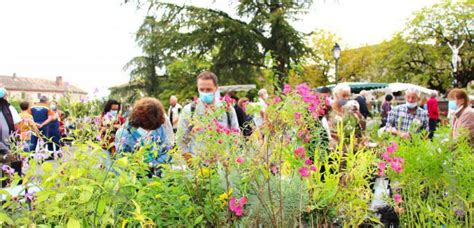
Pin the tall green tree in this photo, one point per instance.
(318, 65)
(432, 29)
(235, 46)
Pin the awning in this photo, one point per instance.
(356, 87)
(400, 87)
(237, 88)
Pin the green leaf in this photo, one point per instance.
(101, 206)
(198, 219)
(73, 223)
(5, 218)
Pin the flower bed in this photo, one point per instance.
(283, 175)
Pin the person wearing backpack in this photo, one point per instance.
(204, 106)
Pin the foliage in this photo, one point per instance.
(319, 63)
(173, 31)
(420, 53)
(231, 180)
(436, 182)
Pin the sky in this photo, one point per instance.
(89, 41)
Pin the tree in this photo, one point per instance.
(235, 47)
(420, 53)
(436, 26)
(319, 63)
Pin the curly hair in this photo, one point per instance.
(108, 106)
(148, 113)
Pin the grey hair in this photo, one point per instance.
(413, 90)
(173, 97)
(262, 91)
(341, 88)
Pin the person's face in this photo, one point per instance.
(172, 102)
(411, 97)
(459, 102)
(344, 95)
(206, 86)
(115, 107)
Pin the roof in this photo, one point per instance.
(138, 84)
(37, 85)
(356, 87)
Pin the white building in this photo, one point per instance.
(31, 89)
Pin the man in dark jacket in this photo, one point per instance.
(361, 99)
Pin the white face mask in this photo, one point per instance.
(412, 105)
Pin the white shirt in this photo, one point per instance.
(175, 110)
(15, 115)
(258, 119)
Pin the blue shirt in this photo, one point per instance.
(129, 139)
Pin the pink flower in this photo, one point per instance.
(386, 157)
(304, 172)
(237, 208)
(397, 198)
(274, 169)
(276, 99)
(301, 133)
(397, 164)
(313, 168)
(239, 160)
(235, 130)
(219, 141)
(300, 152)
(297, 116)
(286, 89)
(381, 168)
(308, 162)
(392, 148)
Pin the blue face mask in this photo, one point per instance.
(114, 113)
(3, 92)
(452, 105)
(206, 97)
(342, 102)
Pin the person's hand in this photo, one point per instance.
(405, 135)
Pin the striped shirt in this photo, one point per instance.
(401, 119)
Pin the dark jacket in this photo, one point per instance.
(364, 110)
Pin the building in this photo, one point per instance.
(31, 89)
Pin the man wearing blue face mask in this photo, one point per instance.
(204, 106)
(407, 117)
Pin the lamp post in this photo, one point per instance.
(336, 53)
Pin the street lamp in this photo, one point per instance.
(336, 53)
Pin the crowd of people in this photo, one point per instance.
(149, 126)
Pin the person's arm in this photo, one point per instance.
(234, 121)
(183, 131)
(51, 117)
(391, 125)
